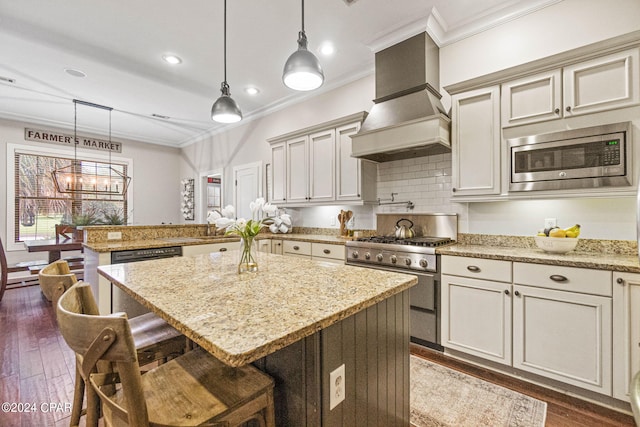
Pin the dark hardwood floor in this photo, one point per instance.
(37, 368)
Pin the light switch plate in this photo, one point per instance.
(336, 387)
(549, 222)
(114, 235)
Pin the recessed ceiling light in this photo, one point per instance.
(327, 48)
(7, 79)
(172, 59)
(252, 90)
(75, 73)
(160, 116)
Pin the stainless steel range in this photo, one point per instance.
(415, 255)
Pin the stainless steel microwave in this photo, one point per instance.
(592, 157)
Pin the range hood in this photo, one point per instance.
(407, 119)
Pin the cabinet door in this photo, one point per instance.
(604, 83)
(348, 177)
(626, 332)
(565, 336)
(532, 99)
(276, 246)
(476, 317)
(278, 173)
(322, 149)
(208, 248)
(264, 245)
(297, 170)
(476, 142)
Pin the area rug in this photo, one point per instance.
(443, 397)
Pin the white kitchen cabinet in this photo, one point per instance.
(310, 167)
(296, 248)
(476, 142)
(276, 246)
(532, 99)
(210, 247)
(562, 327)
(328, 252)
(476, 312)
(355, 178)
(264, 245)
(626, 332)
(278, 173)
(599, 84)
(314, 165)
(604, 83)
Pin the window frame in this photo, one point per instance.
(13, 149)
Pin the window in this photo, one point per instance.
(39, 207)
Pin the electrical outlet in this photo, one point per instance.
(336, 387)
(114, 235)
(332, 220)
(550, 222)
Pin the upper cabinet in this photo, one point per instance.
(591, 86)
(476, 142)
(314, 166)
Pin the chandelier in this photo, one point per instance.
(90, 177)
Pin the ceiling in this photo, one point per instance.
(119, 45)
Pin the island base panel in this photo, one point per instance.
(374, 347)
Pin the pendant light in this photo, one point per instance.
(302, 71)
(91, 178)
(225, 109)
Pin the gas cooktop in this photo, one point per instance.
(429, 242)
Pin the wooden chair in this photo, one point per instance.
(4, 273)
(55, 279)
(154, 339)
(193, 389)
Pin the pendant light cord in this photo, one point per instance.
(225, 41)
(302, 16)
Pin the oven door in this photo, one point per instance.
(424, 301)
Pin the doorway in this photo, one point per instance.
(247, 187)
(211, 194)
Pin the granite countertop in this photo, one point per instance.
(583, 259)
(161, 242)
(241, 318)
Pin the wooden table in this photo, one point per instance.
(296, 319)
(53, 247)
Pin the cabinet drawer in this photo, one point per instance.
(582, 280)
(324, 250)
(296, 248)
(477, 268)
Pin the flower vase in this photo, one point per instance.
(248, 255)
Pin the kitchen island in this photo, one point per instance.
(298, 320)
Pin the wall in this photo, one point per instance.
(155, 182)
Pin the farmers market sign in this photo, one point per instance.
(38, 135)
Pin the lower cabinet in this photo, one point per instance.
(552, 321)
(211, 247)
(295, 248)
(626, 332)
(317, 251)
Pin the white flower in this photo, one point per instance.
(228, 211)
(212, 216)
(269, 209)
(224, 222)
(241, 222)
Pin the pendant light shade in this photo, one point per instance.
(225, 109)
(302, 71)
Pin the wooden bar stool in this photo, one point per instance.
(193, 389)
(55, 279)
(154, 339)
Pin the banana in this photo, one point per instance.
(573, 231)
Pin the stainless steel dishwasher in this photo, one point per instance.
(120, 301)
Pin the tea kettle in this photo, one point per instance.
(403, 232)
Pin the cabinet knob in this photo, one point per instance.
(473, 268)
(558, 278)
(326, 251)
(506, 291)
(557, 111)
(568, 108)
(223, 249)
(516, 293)
(620, 281)
(295, 248)
(454, 189)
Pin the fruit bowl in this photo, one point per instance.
(559, 245)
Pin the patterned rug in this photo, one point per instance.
(446, 398)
